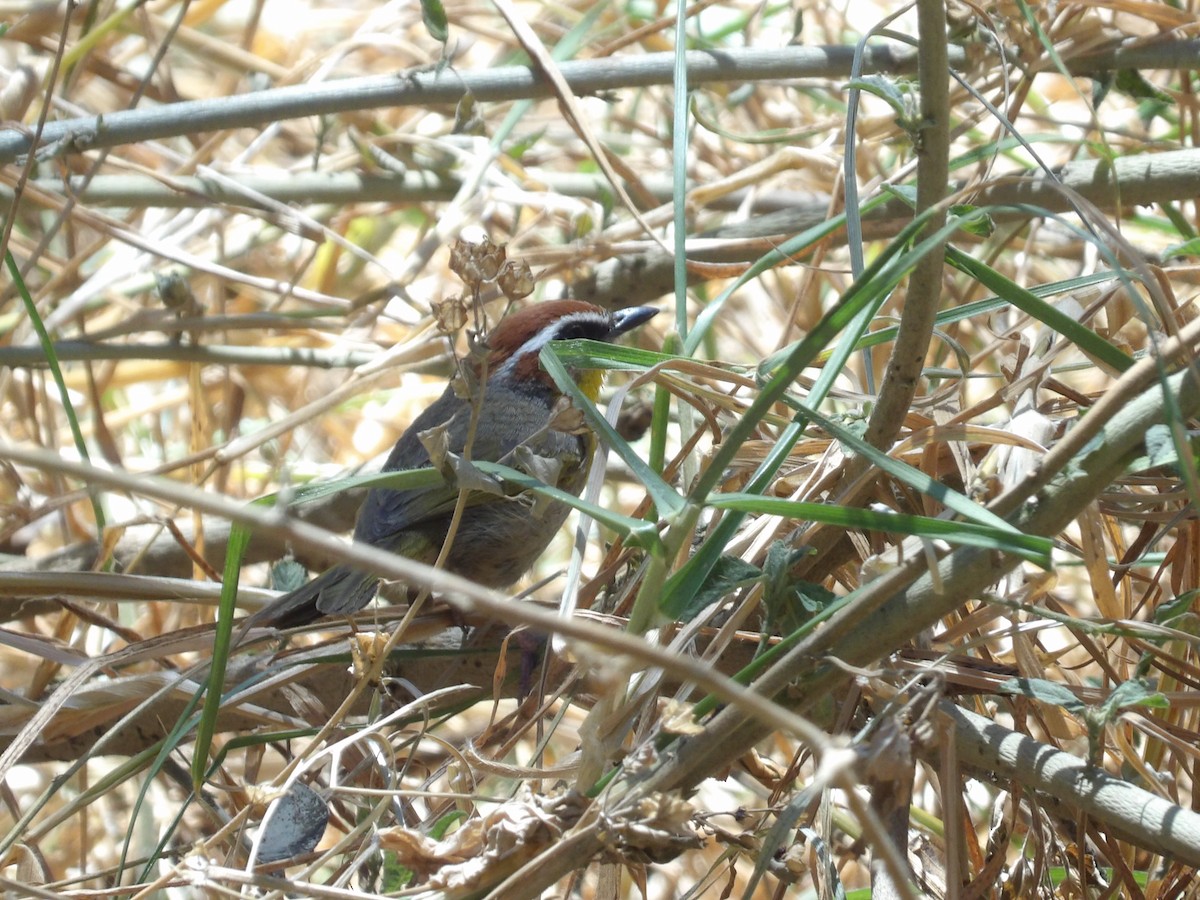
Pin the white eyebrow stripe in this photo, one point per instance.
(544, 336)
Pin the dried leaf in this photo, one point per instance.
(487, 849)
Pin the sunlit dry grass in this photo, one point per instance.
(355, 284)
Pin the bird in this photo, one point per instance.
(498, 538)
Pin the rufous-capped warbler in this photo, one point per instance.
(498, 538)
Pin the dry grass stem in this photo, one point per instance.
(896, 578)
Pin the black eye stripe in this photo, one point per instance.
(571, 330)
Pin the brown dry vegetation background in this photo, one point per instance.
(972, 657)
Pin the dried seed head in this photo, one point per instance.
(476, 261)
(515, 279)
(450, 314)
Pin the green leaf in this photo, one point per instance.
(526, 142)
(1132, 83)
(885, 90)
(904, 192)
(1045, 692)
(973, 220)
(781, 556)
(1135, 692)
(791, 602)
(433, 14)
(813, 597)
(1172, 609)
(729, 574)
(287, 575)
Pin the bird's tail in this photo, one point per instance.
(339, 590)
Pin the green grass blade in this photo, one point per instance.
(1028, 302)
(662, 494)
(56, 373)
(1002, 539)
